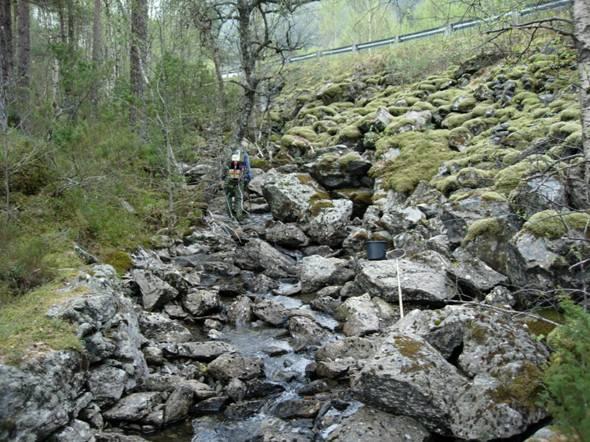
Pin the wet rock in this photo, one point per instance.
(175, 311)
(306, 331)
(316, 272)
(288, 289)
(259, 256)
(212, 405)
(243, 410)
(328, 226)
(112, 436)
(134, 407)
(419, 282)
(233, 365)
(159, 328)
(258, 282)
(370, 424)
(76, 431)
(178, 404)
(271, 311)
(155, 293)
(91, 414)
(286, 235)
(314, 387)
(297, 408)
(359, 315)
(240, 311)
(199, 390)
(201, 351)
(290, 195)
(200, 302)
(107, 384)
(326, 304)
(473, 274)
(409, 376)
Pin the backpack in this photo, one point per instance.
(236, 165)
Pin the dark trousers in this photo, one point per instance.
(234, 198)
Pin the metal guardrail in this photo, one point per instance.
(459, 26)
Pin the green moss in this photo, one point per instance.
(260, 163)
(423, 106)
(319, 112)
(455, 120)
(25, 327)
(447, 184)
(523, 388)
(508, 178)
(345, 160)
(318, 206)
(421, 154)
(474, 178)
(574, 139)
(447, 95)
(306, 132)
(570, 114)
(564, 129)
(399, 123)
(359, 196)
(120, 260)
(482, 109)
(351, 133)
(407, 346)
(552, 224)
(493, 196)
(464, 104)
(487, 226)
(477, 333)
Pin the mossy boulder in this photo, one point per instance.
(459, 138)
(411, 121)
(553, 224)
(454, 120)
(463, 104)
(510, 177)
(340, 169)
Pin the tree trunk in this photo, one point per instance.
(582, 32)
(24, 49)
(6, 44)
(96, 51)
(248, 65)
(137, 60)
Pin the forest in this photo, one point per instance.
(469, 150)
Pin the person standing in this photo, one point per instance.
(237, 175)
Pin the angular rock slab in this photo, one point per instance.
(329, 225)
(160, 328)
(135, 407)
(154, 291)
(200, 351)
(316, 272)
(232, 365)
(359, 315)
(473, 273)
(259, 256)
(419, 282)
(408, 376)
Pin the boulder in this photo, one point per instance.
(233, 365)
(537, 194)
(270, 311)
(240, 311)
(374, 425)
(328, 226)
(297, 408)
(38, 397)
(400, 220)
(305, 331)
(344, 357)
(107, 384)
(473, 274)
(407, 375)
(200, 302)
(286, 235)
(201, 351)
(178, 404)
(290, 196)
(340, 169)
(134, 408)
(359, 315)
(76, 431)
(259, 256)
(419, 282)
(316, 272)
(159, 328)
(154, 291)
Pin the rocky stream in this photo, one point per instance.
(280, 329)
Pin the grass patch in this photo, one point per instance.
(24, 325)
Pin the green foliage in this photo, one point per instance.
(567, 379)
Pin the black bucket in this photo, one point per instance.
(376, 250)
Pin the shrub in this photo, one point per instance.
(567, 379)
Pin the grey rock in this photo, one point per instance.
(155, 293)
(537, 194)
(297, 408)
(75, 431)
(159, 328)
(326, 304)
(107, 384)
(289, 195)
(316, 272)
(270, 311)
(286, 235)
(201, 351)
(407, 375)
(375, 425)
(400, 220)
(418, 281)
(37, 398)
(134, 408)
(240, 311)
(382, 119)
(305, 331)
(535, 251)
(343, 357)
(500, 296)
(233, 365)
(200, 302)
(178, 404)
(258, 255)
(328, 226)
(344, 168)
(112, 436)
(359, 315)
(91, 414)
(473, 274)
